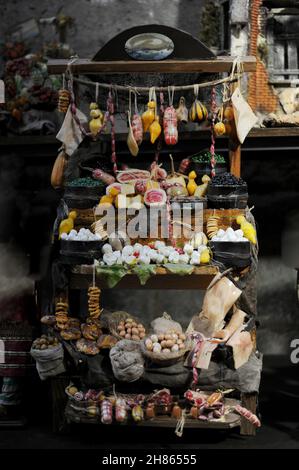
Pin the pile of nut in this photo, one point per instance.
(45, 342)
(130, 329)
(171, 342)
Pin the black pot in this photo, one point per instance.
(227, 196)
(232, 254)
(83, 197)
(72, 250)
(202, 169)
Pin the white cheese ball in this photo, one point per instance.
(106, 248)
(127, 250)
(159, 244)
(188, 249)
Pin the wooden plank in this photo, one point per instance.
(286, 72)
(230, 421)
(235, 161)
(279, 58)
(86, 66)
(292, 58)
(249, 401)
(82, 278)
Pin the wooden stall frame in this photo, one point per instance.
(218, 64)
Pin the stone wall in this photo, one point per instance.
(97, 21)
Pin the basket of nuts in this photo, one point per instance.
(164, 348)
(122, 325)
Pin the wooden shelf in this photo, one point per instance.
(201, 134)
(86, 66)
(81, 278)
(230, 421)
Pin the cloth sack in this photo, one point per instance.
(127, 361)
(49, 362)
(245, 118)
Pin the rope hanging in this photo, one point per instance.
(145, 90)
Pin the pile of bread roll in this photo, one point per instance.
(171, 342)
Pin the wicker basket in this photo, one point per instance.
(163, 359)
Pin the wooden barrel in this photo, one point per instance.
(15, 358)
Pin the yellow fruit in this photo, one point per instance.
(192, 175)
(105, 205)
(106, 200)
(240, 219)
(229, 113)
(205, 256)
(205, 179)
(201, 190)
(66, 225)
(248, 229)
(149, 115)
(219, 128)
(93, 106)
(155, 130)
(198, 112)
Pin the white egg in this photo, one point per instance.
(153, 255)
(243, 239)
(175, 348)
(229, 230)
(232, 237)
(154, 338)
(239, 233)
(157, 348)
(73, 232)
(64, 236)
(220, 233)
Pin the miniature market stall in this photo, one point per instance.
(121, 368)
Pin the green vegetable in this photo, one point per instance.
(205, 157)
(85, 182)
(111, 274)
(144, 272)
(180, 269)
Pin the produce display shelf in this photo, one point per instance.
(229, 421)
(81, 278)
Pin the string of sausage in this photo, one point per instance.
(251, 417)
(108, 117)
(212, 148)
(199, 340)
